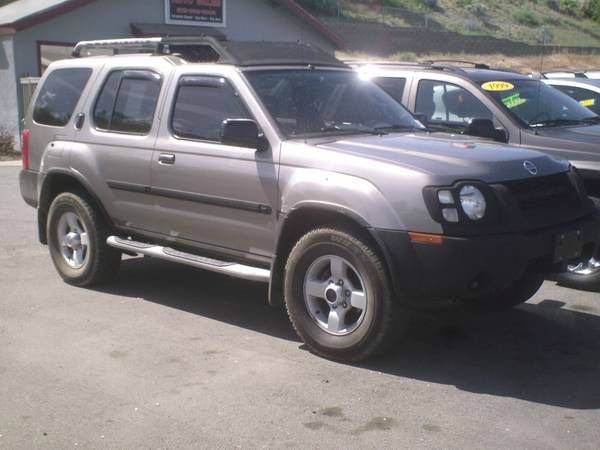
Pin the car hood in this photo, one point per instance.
(448, 158)
(589, 134)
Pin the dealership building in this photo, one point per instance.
(33, 33)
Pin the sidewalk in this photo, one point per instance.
(10, 163)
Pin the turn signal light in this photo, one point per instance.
(422, 238)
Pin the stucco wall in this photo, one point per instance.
(9, 117)
(105, 19)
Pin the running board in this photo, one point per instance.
(189, 259)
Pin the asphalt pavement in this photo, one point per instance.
(172, 357)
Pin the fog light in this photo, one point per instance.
(450, 215)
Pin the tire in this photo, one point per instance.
(587, 279)
(510, 297)
(72, 215)
(366, 321)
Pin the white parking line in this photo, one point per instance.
(10, 163)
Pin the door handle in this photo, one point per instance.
(79, 121)
(166, 158)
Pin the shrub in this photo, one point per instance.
(591, 9)
(320, 6)
(525, 17)
(7, 145)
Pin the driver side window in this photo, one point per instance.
(446, 103)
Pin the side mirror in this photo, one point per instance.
(484, 128)
(241, 133)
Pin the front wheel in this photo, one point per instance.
(338, 296)
(585, 276)
(511, 296)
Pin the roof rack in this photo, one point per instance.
(208, 49)
(452, 63)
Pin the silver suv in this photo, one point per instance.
(277, 163)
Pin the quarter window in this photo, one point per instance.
(201, 106)
(449, 104)
(128, 101)
(59, 95)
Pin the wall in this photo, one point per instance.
(9, 106)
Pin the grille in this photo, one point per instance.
(554, 191)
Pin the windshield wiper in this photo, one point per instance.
(400, 127)
(350, 128)
(555, 123)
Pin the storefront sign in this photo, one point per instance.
(204, 13)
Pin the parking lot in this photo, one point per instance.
(171, 357)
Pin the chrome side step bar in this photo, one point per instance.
(200, 262)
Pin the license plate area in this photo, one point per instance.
(569, 246)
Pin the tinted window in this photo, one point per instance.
(585, 97)
(393, 86)
(538, 105)
(127, 102)
(201, 106)
(314, 102)
(59, 95)
(450, 104)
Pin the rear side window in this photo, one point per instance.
(201, 106)
(128, 101)
(59, 95)
(393, 86)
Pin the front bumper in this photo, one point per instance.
(463, 268)
(28, 182)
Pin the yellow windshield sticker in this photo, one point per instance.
(590, 102)
(497, 86)
(513, 101)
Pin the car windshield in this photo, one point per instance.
(307, 102)
(537, 105)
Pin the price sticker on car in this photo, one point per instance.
(588, 103)
(497, 86)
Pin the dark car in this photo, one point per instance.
(472, 99)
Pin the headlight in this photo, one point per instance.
(473, 202)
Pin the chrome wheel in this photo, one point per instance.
(73, 240)
(590, 267)
(335, 295)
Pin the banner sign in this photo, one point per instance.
(204, 13)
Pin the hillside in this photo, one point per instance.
(559, 22)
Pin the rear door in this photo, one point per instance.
(222, 197)
(114, 146)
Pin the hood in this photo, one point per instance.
(448, 158)
(589, 134)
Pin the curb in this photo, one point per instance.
(16, 163)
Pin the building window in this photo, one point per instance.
(48, 52)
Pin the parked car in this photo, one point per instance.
(471, 99)
(593, 74)
(277, 163)
(585, 91)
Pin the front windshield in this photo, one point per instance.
(307, 102)
(537, 105)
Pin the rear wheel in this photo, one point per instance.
(77, 241)
(338, 296)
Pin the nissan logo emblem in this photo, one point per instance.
(530, 167)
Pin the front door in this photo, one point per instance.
(216, 195)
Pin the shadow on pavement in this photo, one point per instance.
(540, 352)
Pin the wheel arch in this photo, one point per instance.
(300, 220)
(55, 183)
